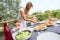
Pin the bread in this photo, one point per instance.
(53, 19)
(40, 26)
(51, 23)
(46, 23)
(43, 26)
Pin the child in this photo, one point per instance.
(17, 28)
(17, 25)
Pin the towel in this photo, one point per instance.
(7, 33)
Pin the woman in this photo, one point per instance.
(23, 14)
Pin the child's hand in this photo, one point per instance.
(26, 28)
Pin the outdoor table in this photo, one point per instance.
(55, 28)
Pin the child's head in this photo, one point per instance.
(17, 23)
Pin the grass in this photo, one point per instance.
(1, 34)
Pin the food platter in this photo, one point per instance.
(40, 27)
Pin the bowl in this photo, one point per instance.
(25, 38)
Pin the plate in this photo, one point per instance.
(57, 22)
(48, 36)
(41, 29)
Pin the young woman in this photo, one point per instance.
(23, 14)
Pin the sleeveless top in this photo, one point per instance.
(23, 22)
(19, 15)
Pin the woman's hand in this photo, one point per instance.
(35, 21)
(38, 22)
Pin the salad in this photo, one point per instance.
(22, 35)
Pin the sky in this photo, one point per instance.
(42, 5)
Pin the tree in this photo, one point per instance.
(9, 9)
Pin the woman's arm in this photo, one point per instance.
(25, 17)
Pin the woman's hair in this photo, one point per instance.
(29, 4)
(27, 8)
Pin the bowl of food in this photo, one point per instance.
(23, 35)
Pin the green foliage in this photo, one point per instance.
(43, 16)
(9, 9)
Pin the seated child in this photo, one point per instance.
(17, 26)
(15, 30)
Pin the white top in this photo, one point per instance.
(23, 22)
(48, 36)
(19, 14)
(14, 33)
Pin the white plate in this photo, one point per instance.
(57, 22)
(48, 36)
